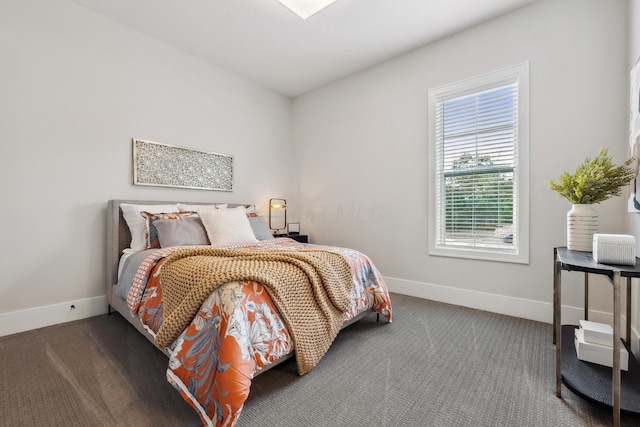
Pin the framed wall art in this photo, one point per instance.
(634, 134)
(634, 105)
(165, 165)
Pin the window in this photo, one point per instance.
(478, 146)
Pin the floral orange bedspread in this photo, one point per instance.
(238, 331)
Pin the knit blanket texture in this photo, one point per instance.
(310, 288)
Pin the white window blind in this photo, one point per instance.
(477, 155)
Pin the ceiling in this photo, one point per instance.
(267, 43)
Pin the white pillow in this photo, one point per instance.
(137, 223)
(226, 226)
(195, 208)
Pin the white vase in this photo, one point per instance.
(582, 223)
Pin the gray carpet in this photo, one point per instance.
(435, 365)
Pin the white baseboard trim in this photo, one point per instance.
(511, 306)
(39, 317)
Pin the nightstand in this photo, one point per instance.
(597, 383)
(302, 238)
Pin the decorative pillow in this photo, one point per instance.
(184, 232)
(194, 208)
(260, 228)
(226, 226)
(251, 211)
(137, 223)
(151, 232)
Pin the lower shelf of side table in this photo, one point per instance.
(594, 382)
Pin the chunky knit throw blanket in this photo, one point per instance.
(311, 289)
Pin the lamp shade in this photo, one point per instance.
(277, 214)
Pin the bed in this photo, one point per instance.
(225, 301)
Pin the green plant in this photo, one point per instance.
(595, 180)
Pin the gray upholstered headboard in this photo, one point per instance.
(119, 237)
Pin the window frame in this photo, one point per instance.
(518, 74)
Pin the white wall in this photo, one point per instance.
(362, 151)
(633, 220)
(75, 87)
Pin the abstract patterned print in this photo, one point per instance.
(238, 331)
(171, 166)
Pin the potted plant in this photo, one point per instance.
(594, 181)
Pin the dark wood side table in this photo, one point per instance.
(565, 259)
(302, 238)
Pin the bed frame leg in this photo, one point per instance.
(109, 310)
(377, 317)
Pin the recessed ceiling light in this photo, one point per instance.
(306, 8)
